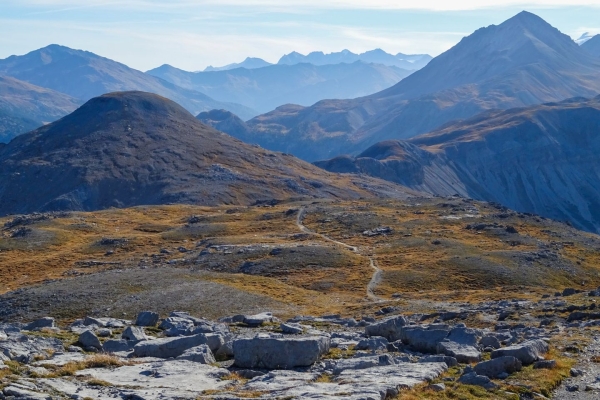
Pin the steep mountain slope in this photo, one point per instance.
(377, 56)
(133, 148)
(84, 75)
(248, 63)
(592, 46)
(541, 159)
(264, 89)
(523, 61)
(24, 107)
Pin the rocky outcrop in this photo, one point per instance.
(279, 353)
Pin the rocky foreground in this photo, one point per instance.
(258, 356)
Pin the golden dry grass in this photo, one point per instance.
(430, 255)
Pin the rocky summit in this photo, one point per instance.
(539, 159)
(133, 148)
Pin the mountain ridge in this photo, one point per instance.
(84, 75)
(521, 62)
(135, 148)
(539, 159)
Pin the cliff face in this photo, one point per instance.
(541, 159)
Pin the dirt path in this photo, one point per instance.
(587, 385)
(375, 279)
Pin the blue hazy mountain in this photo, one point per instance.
(24, 107)
(592, 46)
(84, 75)
(523, 61)
(377, 56)
(541, 159)
(248, 63)
(266, 88)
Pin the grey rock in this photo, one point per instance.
(544, 364)
(490, 341)
(575, 372)
(423, 339)
(235, 319)
(147, 318)
(177, 326)
(477, 380)
(373, 343)
(279, 353)
(462, 352)
(225, 351)
(493, 368)
(572, 388)
(89, 339)
(291, 328)
(437, 387)
(23, 394)
(362, 363)
(569, 292)
(466, 336)
(134, 333)
(258, 319)
(449, 361)
(199, 354)
(46, 322)
(389, 328)
(118, 346)
(174, 347)
(527, 352)
(104, 333)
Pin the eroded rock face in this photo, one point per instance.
(389, 328)
(279, 353)
(527, 352)
(497, 366)
(174, 347)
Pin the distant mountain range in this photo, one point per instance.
(265, 88)
(248, 63)
(377, 56)
(523, 61)
(24, 107)
(84, 75)
(592, 46)
(542, 159)
(134, 148)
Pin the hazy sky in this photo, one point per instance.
(191, 34)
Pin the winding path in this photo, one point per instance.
(375, 279)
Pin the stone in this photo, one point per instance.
(174, 347)
(279, 353)
(389, 328)
(569, 292)
(199, 354)
(373, 343)
(3, 336)
(466, 336)
(490, 341)
(362, 363)
(527, 352)
(46, 322)
(118, 346)
(544, 364)
(575, 372)
(462, 352)
(225, 352)
(104, 333)
(449, 361)
(20, 393)
(477, 380)
(177, 326)
(89, 339)
(437, 387)
(493, 368)
(147, 318)
(258, 319)
(423, 339)
(134, 333)
(291, 328)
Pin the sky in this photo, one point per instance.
(192, 34)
